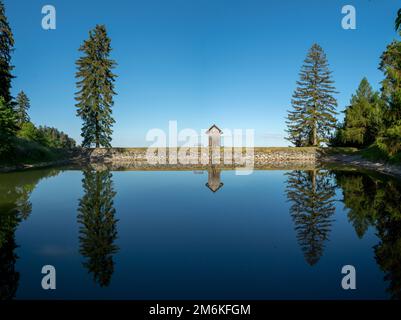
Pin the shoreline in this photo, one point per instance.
(357, 161)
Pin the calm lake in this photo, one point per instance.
(199, 234)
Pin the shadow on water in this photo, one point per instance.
(98, 225)
(15, 190)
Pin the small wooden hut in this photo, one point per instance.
(214, 134)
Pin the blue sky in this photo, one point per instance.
(229, 62)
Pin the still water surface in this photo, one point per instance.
(199, 235)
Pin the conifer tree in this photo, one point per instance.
(98, 229)
(22, 105)
(95, 82)
(390, 139)
(363, 118)
(312, 118)
(6, 49)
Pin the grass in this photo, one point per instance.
(374, 153)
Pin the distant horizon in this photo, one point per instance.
(232, 63)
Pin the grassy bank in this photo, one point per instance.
(26, 152)
(372, 153)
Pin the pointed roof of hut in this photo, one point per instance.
(214, 126)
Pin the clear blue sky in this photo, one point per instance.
(229, 62)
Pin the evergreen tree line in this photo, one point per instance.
(15, 122)
(373, 119)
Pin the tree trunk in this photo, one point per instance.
(97, 135)
(314, 136)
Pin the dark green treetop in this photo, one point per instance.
(22, 104)
(95, 82)
(363, 118)
(390, 64)
(6, 49)
(398, 21)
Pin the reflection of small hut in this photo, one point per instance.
(214, 136)
(214, 182)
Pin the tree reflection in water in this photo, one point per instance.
(15, 190)
(376, 201)
(311, 194)
(98, 229)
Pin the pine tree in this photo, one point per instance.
(98, 229)
(312, 117)
(96, 88)
(22, 105)
(363, 118)
(311, 194)
(6, 48)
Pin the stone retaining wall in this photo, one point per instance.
(141, 157)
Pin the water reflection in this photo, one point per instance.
(368, 200)
(311, 194)
(15, 190)
(375, 201)
(98, 229)
(214, 179)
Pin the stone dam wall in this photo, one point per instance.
(198, 158)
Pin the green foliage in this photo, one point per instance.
(312, 118)
(48, 137)
(363, 119)
(96, 89)
(8, 129)
(29, 132)
(21, 107)
(311, 194)
(98, 225)
(6, 48)
(390, 139)
(53, 138)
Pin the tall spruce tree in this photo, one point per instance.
(22, 104)
(6, 49)
(95, 82)
(312, 118)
